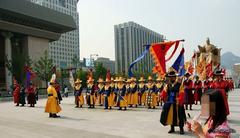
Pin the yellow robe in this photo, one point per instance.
(133, 96)
(123, 103)
(100, 97)
(80, 98)
(92, 97)
(143, 97)
(110, 97)
(52, 105)
(153, 95)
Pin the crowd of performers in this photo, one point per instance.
(21, 93)
(119, 92)
(130, 93)
(175, 94)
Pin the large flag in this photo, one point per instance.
(178, 65)
(159, 51)
(29, 75)
(130, 74)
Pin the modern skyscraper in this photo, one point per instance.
(63, 51)
(130, 39)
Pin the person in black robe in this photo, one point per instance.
(173, 112)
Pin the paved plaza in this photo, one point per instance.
(26, 122)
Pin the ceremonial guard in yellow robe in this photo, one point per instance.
(90, 97)
(121, 94)
(112, 96)
(133, 93)
(100, 92)
(79, 99)
(151, 94)
(128, 91)
(115, 91)
(52, 106)
(159, 88)
(108, 101)
(141, 91)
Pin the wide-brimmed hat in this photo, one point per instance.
(159, 78)
(133, 79)
(100, 80)
(112, 79)
(121, 79)
(218, 73)
(187, 74)
(171, 74)
(116, 79)
(141, 79)
(90, 80)
(197, 77)
(108, 80)
(150, 78)
(78, 81)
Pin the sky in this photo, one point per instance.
(192, 20)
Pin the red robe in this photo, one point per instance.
(31, 95)
(207, 85)
(198, 90)
(219, 84)
(188, 96)
(16, 93)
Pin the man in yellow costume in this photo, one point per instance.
(151, 101)
(108, 97)
(100, 92)
(52, 106)
(79, 99)
(121, 94)
(90, 97)
(141, 91)
(159, 88)
(112, 93)
(133, 93)
(128, 91)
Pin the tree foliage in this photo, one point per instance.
(100, 71)
(82, 75)
(44, 67)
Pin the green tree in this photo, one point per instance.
(100, 71)
(75, 61)
(44, 67)
(17, 65)
(82, 75)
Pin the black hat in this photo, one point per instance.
(187, 74)
(171, 74)
(218, 73)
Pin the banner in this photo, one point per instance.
(178, 65)
(130, 74)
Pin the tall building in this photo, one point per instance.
(25, 32)
(63, 51)
(130, 39)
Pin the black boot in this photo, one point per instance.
(181, 130)
(172, 130)
(55, 116)
(120, 108)
(190, 107)
(50, 115)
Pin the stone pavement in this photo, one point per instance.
(26, 122)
